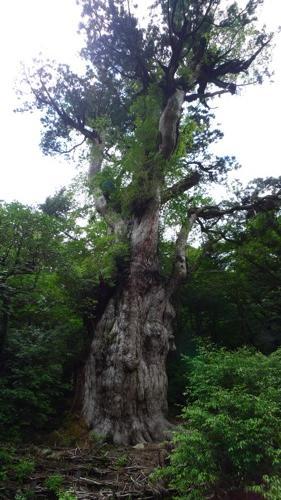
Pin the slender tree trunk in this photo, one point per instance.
(125, 378)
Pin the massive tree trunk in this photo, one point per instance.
(125, 397)
(126, 384)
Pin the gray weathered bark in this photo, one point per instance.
(126, 383)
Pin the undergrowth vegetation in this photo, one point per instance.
(231, 438)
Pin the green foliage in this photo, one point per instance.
(140, 152)
(6, 455)
(231, 436)
(254, 256)
(232, 294)
(146, 110)
(121, 461)
(67, 495)
(21, 496)
(54, 483)
(58, 205)
(40, 333)
(34, 387)
(270, 488)
(23, 469)
(6, 459)
(13, 468)
(107, 253)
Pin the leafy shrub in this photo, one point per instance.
(121, 461)
(67, 495)
(23, 469)
(6, 459)
(14, 469)
(270, 488)
(54, 483)
(231, 437)
(21, 496)
(27, 494)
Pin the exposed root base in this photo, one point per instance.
(134, 431)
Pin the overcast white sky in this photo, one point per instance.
(251, 122)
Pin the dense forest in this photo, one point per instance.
(140, 318)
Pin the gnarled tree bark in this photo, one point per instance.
(126, 384)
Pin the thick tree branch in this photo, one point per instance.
(97, 158)
(44, 97)
(269, 202)
(169, 122)
(194, 97)
(214, 73)
(180, 187)
(112, 217)
(237, 66)
(199, 214)
(177, 50)
(180, 267)
(174, 9)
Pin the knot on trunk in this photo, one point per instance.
(131, 363)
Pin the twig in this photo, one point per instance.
(95, 483)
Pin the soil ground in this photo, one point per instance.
(98, 472)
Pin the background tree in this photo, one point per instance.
(244, 257)
(42, 334)
(149, 167)
(231, 294)
(28, 246)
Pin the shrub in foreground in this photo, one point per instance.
(231, 437)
